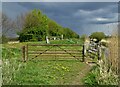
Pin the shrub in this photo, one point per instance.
(104, 44)
(90, 79)
(98, 35)
(3, 39)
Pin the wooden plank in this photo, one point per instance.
(63, 52)
(57, 50)
(62, 59)
(93, 53)
(53, 53)
(54, 45)
(49, 56)
(95, 50)
(91, 56)
(99, 52)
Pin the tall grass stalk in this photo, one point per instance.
(109, 65)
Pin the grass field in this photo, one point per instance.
(40, 72)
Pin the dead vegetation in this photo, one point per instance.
(113, 55)
(108, 67)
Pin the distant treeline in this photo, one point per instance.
(37, 26)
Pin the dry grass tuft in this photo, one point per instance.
(108, 66)
(113, 55)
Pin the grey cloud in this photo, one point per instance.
(13, 9)
(75, 15)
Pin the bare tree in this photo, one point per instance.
(7, 24)
(19, 22)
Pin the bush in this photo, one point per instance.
(98, 35)
(104, 44)
(90, 79)
(99, 76)
(33, 40)
(25, 37)
(83, 37)
(39, 25)
(3, 39)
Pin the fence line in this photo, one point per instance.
(75, 53)
(93, 51)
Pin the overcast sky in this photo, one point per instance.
(81, 17)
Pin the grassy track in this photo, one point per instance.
(48, 72)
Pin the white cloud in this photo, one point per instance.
(89, 12)
(101, 19)
(114, 18)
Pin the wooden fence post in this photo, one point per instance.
(23, 53)
(47, 40)
(26, 52)
(62, 36)
(83, 53)
(99, 52)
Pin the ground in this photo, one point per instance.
(41, 72)
(81, 75)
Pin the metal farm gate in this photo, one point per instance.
(53, 52)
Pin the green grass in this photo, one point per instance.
(38, 72)
(66, 41)
(90, 79)
(48, 72)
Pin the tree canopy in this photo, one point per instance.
(37, 25)
(98, 35)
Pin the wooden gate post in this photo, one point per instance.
(47, 40)
(23, 53)
(83, 53)
(26, 52)
(99, 52)
(62, 36)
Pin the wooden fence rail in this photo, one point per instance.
(62, 50)
(45, 50)
(54, 45)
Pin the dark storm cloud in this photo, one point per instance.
(65, 8)
(75, 15)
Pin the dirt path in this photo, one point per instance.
(79, 77)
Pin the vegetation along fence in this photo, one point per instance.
(57, 52)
